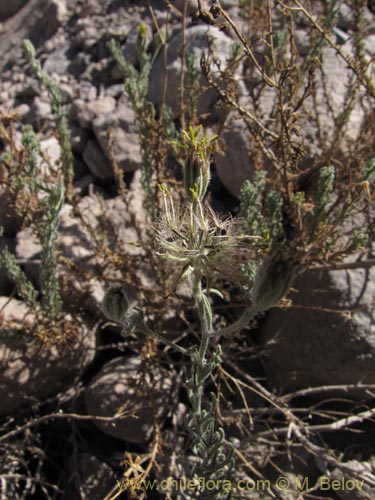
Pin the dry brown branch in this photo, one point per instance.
(342, 423)
(328, 388)
(362, 77)
(58, 416)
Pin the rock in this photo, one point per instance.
(28, 252)
(26, 89)
(347, 19)
(337, 81)
(5, 97)
(74, 244)
(87, 112)
(370, 44)
(51, 150)
(96, 161)
(114, 127)
(116, 90)
(8, 9)
(83, 183)
(79, 65)
(57, 62)
(41, 114)
(122, 385)
(233, 163)
(87, 473)
(38, 21)
(303, 43)
(79, 138)
(354, 489)
(112, 218)
(123, 142)
(330, 338)
(196, 42)
(22, 110)
(180, 5)
(32, 370)
(87, 91)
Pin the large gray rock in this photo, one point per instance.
(32, 370)
(354, 488)
(347, 19)
(195, 38)
(115, 128)
(118, 136)
(330, 96)
(126, 385)
(233, 162)
(329, 338)
(88, 111)
(8, 9)
(38, 21)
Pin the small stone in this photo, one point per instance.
(88, 112)
(96, 161)
(87, 91)
(22, 110)
(51, 150)
(79, 137)
(117, 135)
(41, 111)
(57, 62)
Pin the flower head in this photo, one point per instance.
(193, 239)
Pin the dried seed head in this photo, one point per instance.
(115, 303)
(192, 238)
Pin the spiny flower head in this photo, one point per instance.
(193, 239)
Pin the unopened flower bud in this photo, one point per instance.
(271, 282)
(115, 303)
(196, 175)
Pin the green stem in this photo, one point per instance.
(204, 318)
(205, 328)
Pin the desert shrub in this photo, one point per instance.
(289, 218)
